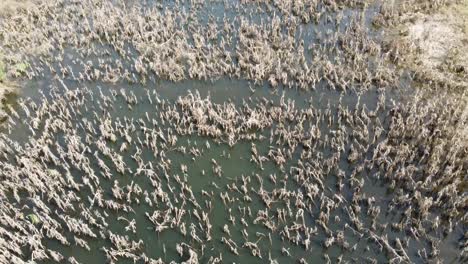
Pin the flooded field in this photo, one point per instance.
(226, 132)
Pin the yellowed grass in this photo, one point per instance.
(441, 41)
(463, 10)
(9, 7)
(459, 12)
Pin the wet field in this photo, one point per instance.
(234, 161)
(235, 166)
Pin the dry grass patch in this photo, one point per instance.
(439, 42)
(9, 7)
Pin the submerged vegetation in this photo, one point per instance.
(234, 132)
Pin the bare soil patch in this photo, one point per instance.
(439, 43)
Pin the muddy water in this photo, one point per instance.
(235, 163)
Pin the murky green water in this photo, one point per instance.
(93, 102)
(235, 163)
